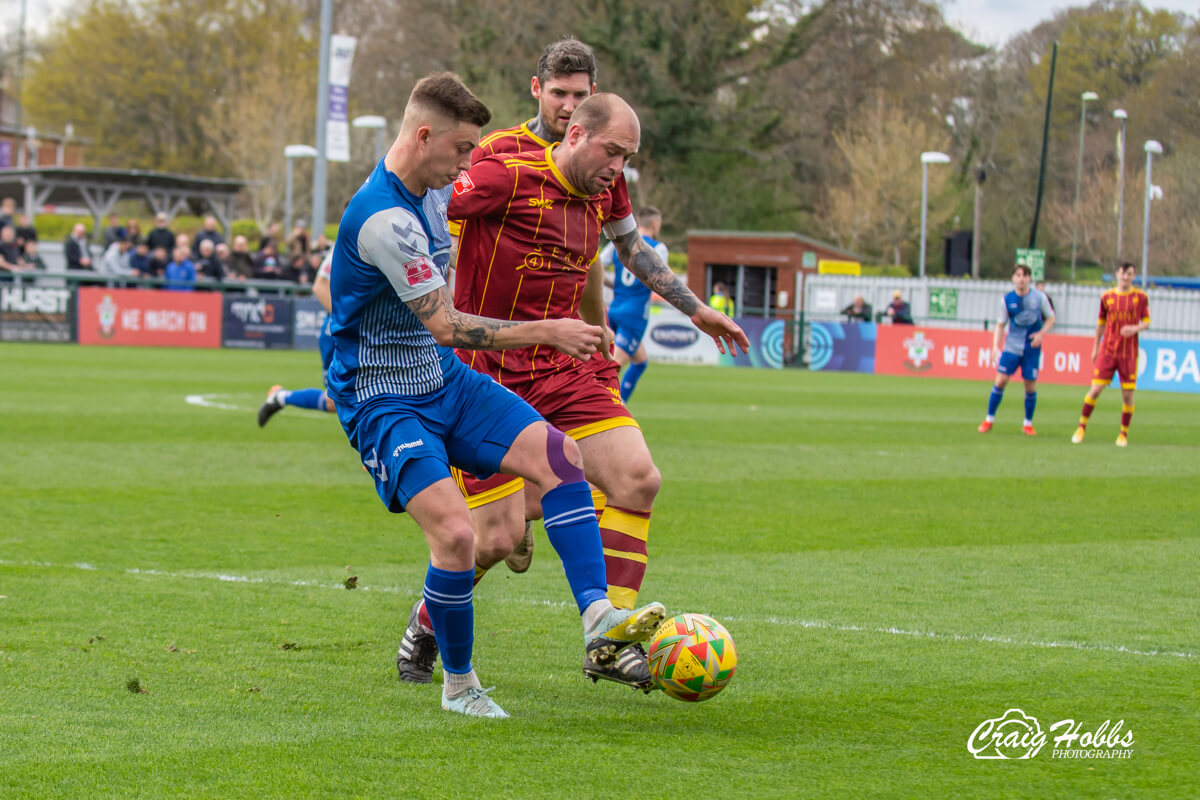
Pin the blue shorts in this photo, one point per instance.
(1028, 363)
(630, 329)
(409, 443)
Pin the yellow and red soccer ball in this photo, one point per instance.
(692, 657)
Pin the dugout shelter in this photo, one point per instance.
(99, 190)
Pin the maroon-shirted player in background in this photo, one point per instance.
(1124, 313)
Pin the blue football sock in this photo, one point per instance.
(570, 520)
(994, 400)
(630, 378)
(1030, 405)
(306, 398)
(448, 600)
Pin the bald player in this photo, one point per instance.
(532, 225)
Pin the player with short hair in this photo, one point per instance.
(1025, 319)
(565, 77)
(531, 229)
(629, 311)
(316, 399)
(1124, 313)
(410, 407)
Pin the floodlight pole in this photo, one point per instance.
(319, 168)
(1152, 147)
(1084, 98)
(1121, 115)
(927, 158)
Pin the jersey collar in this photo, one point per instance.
(528, 131)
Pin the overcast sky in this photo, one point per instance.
(996, 21)
(985, 21)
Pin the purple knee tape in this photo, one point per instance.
(556, 455)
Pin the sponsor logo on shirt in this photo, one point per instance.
(418, 270)
(538, 202)
(464, 184)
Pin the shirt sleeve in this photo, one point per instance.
(1145, 301)
(1047, 309)
(662, 251)
(1103, 318)
(394, 242)
(1003, 318)
(620, 217)
(326, 265)
(485, 188)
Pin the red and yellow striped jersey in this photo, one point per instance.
(1118, 309)
(527, 241)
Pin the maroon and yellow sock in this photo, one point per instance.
(1089, 405)
(1126, 418)
(423, 614)
(624, 533)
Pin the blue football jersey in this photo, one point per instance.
(392, 247)
(1024, 315)
(631, 297)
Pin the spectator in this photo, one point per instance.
(898, 310)
(139, 260)
(207, 264)
(180, 273)
(241, 262)
(320, 246)
(224, 260)
(271, 237)
(266, 265)
(161, 236)
(8, 207)
(115, 260)
(114, 232)
(158, 262)
(210, 233)
(297, 244)
(31, 258)
(133, 231)
(26, 233)
(75, 248)
(306, 272)
(10, 254)
(859, 310)
(721, 300)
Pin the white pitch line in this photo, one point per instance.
(799, 623)
(211, 401)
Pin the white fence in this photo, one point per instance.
(1174, 313)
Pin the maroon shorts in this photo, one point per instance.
(581, 401)
(1108, 364)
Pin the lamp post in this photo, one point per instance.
(292, 152)
(1083, 98)
(1152, 148)
(1121, 115)
(378, 124)
(927, 158)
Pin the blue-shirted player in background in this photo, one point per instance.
(411, 408)
(629, 311)
(316, 399)
(1025, 318)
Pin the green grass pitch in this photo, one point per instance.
(173, 620)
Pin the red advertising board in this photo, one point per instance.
(149, 318)
(956, 353)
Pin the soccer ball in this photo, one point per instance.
(692, 657)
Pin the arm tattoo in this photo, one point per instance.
(646, 264)
(470, 332)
